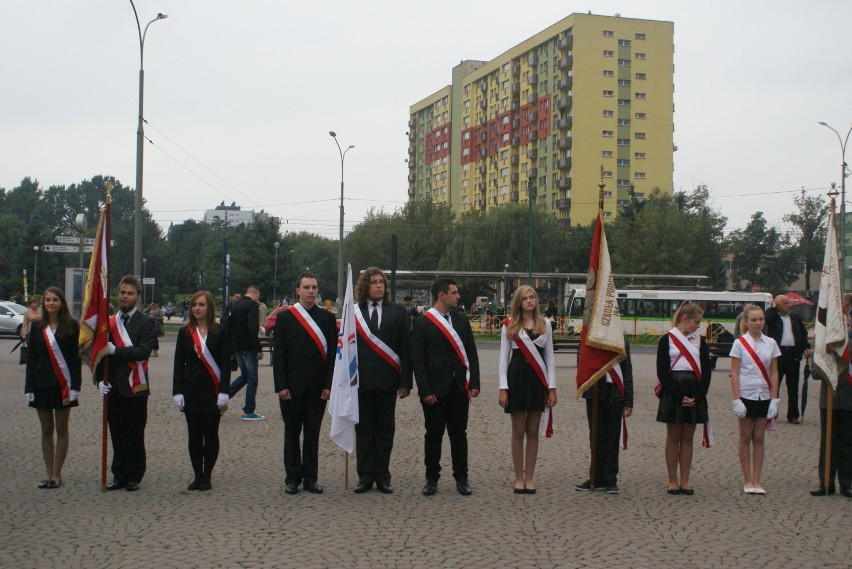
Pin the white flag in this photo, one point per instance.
(830, 336)
(343, 406)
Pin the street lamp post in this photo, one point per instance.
(144, 264)
(140, 136)
(842, 142)
(275, 274)
(35, 270)
(340, 274)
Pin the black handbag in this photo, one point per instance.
(24, 351)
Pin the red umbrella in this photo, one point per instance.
(798, 299)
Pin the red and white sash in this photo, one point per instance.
(454, 339)
(60, 366)
(374, 342)
(304, 318)
(206, 357)
(760, 366)
(530, 352)
(138, 370)
(615, 375)
(688, 351)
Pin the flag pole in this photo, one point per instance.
(346, 471)
(107, 228)
(829, 403)
(593, 433)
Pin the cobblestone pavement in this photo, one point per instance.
(247, 520)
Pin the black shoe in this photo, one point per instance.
(430, 488)
(822, 492)
(612, 489)
(463, 486)
(194, 484)
(384, 487)
(205, 484)
(291, 488)
(363, 486)
(846, 492)
(583, 486)
(687, 491)
(132, 486)
(312, 487)
(116, 485)
(795, 421)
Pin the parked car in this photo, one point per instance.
(169, 310)
(11, 318)
(269, 325)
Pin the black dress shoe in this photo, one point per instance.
(291, 488)
(312, 487)
(384, 487)
(116, 485)
(822, 492)
(194, 484)
(463, 486)
(363, 486)
(430, 488)
(205, 484)
(132, 486)
(846, 492)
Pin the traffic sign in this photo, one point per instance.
(149, 281)
(75, 240)
(50, 248)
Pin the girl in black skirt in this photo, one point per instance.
(523, 393)
(53, 378)
(202, 376)
(683, 369)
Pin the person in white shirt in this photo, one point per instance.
(754, 383)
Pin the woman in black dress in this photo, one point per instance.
(53, 378)
(682, 355)
(202, 376)
(523, 393)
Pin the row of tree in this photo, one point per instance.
(678, 233)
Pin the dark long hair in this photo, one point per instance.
(362, 287)
(212, 325)
(63, 317)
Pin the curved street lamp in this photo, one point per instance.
(35, 272)
(275, 274)
(340, 273)
(140, 136)
(842, 142)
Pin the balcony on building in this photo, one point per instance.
(532, 153)
(564, 222)
(564, 83)
(533, 116)
(516, 88)
(514, 195)
(516, 123)
(563, 102)
(515, 177)
(563, 123)
(412, 123)
(483, 103)
(533, 97)
(412, 149)
(565, 43)
(515, 159)
(483, 135)
(481, 203)
(483, 86)
(411, 164)
(515, 106)
(481, 186)
(533, 79)
(563, 142)
(563, 183)
(532, 172)
(533, 60)
(494, 200)
(411, 135)
(412, 177)
(564, 163)
(516, 140)
(533, 135)
(410, 191)
(516, 69)
(565, 62)
(563, 203)
(482, 169)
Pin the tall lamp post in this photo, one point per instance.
(35, 270)
(275, 274)
(340, 274)
(144, 264)
(140, 136)
(842, 142)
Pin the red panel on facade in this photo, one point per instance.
(437, 143)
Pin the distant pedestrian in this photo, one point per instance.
(244, 326)
(184, 314)
(789, 332)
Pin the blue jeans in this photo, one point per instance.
(248, 377)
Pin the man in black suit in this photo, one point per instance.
(132, 336)
(789, 332)
(384, 373)
(446, 367)
(305, 343)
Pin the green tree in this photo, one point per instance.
(763, 256)
(809, 230)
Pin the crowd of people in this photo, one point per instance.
(396, 349)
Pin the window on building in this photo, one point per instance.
(624, 43)
(608, 73)
(467, 104)
(639, 175)
(607, 193)
(641, 96)
(607, 93)
(504, 172)
(607, 133)
(466, 135)
(607, 174)
(505, 84)
(624, 102)
(608, 53)
(641, 76)
(465, 167)
(639, 155)
(464, 182)
(622, 162)
(606, 154)
(464, 200)
(640, 136)
(608, 113)
(624, 82)
(624, 183)
(506, 67)
(623, 122)
(505, 137)
(640, 36)
(607, 33)
(623, 142)
(504, 190)
(639, 116)
(465, 152)
(607, 214)
(504, 154)
(640, 55)
(624, 62)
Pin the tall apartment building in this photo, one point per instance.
(589, 94)
(233, 215)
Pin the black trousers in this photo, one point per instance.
(607, 436)
(301, 457)
(374, 434)
(841, 447)
(788, 368)
(448, 413)
(203, 431)
(127, 417)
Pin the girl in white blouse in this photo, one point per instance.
(754, 382)
(527, 380)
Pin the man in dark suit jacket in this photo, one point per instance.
(384, 373)
(789, 332)
(305, 343)
(127, 386)
(244, 325)
(441, 341)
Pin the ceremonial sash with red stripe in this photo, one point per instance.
(206, 357)
(304, 318)
(138, 370)
(615, 375)
(760, 366)
(60, 366)
(375, 343)
(707, 437)
(530, 352)
(454, 339)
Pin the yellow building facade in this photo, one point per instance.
(590, 95)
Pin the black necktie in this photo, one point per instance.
(374, 317)
(125, 318)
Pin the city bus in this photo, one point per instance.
(651, 311)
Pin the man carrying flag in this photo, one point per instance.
(343, 402)
(603, 355)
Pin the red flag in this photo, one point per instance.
(95, 320)
(602, 337)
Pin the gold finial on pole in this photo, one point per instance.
(601, 187)
(107, 189)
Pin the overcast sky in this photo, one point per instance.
(240, 96)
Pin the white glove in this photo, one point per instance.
(222, 400)
(110, 348)
(30, 397)
(739, 408)
(104, 388)
(773, 408)
(74, 394)
(178, 401)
